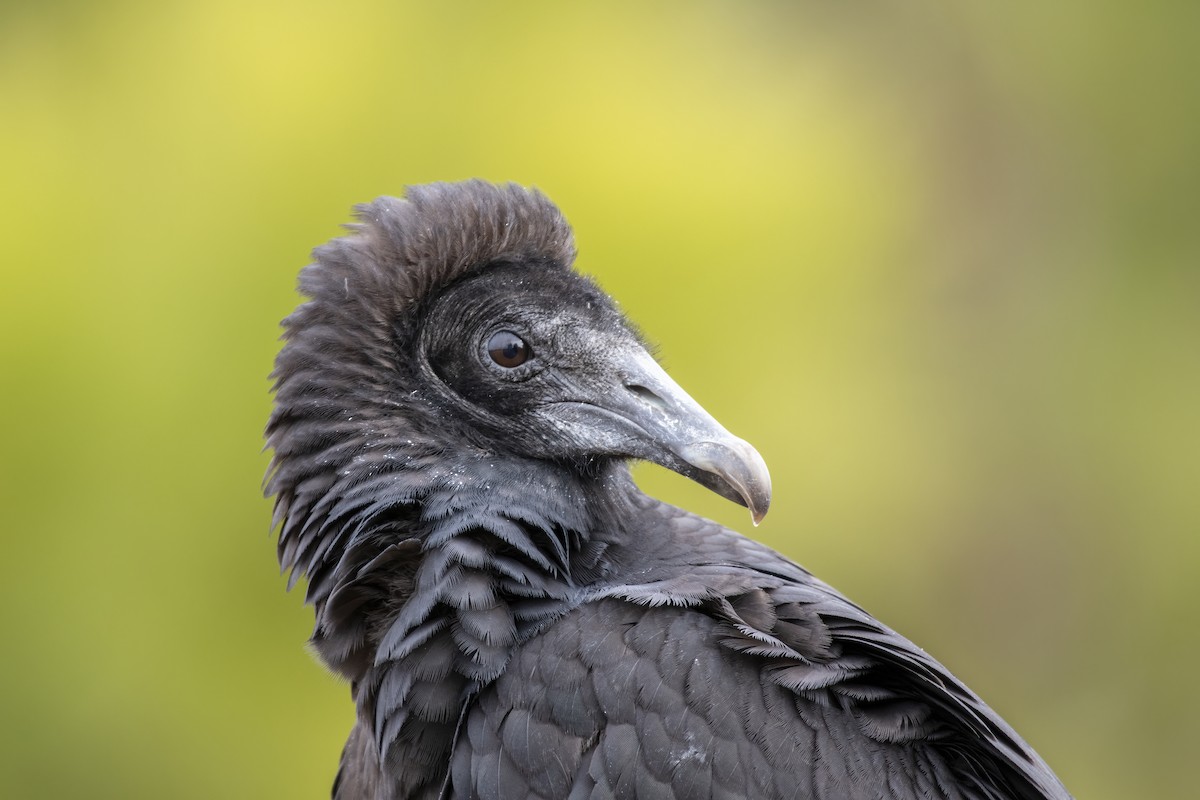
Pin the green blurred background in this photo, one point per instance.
(939, 261)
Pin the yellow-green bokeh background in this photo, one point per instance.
(939, 261)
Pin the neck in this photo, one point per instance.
(424, 593)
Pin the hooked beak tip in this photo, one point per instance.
(739, 467)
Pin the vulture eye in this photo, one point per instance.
(508, 350)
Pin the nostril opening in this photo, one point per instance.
(647, 396)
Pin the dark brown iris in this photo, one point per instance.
(508, 350)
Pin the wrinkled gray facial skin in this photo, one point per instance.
(588, 389)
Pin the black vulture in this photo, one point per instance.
(455, 413)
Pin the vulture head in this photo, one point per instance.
(449, 329)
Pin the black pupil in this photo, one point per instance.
(507, 349)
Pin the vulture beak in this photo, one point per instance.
(671, 429)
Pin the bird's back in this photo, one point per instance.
(706, 665)
(711, 666)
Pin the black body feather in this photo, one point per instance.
(516, 619)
